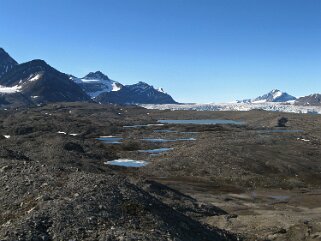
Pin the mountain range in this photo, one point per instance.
(277, 96)
(35, 82)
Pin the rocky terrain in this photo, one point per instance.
(54, 184)
(253, 181)
(6, 62)
(310, 100)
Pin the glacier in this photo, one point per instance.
(288, 107)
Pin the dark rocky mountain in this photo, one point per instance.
(41, 83)
(96, 83)
(140, 93)
(15, 100)
(6, 62)
(98, 75)
(273, 96)
(37, 82)
(310, 100)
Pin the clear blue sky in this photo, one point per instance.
(197, 50)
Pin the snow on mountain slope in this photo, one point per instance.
(104, 90)
(96, 83)
(10, 90)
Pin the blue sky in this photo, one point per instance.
(197, 50)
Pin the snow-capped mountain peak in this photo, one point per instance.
(96, 83)
(276, 93)
(273, 96)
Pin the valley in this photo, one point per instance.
(225, 181)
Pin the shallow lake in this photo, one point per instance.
(110, 139)
(201, 122)
(165, 131)
(167, 140)
(189, 132)
(127, 163)
(156, 151)
(139, 126)
(280, 197)
(280, 131)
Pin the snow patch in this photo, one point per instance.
(10, 90)
(302, 139)
(115, 87)
(33, 78)
(161, 90)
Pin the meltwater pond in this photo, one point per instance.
(139, 126)
(167, 140)
(110, 139)
(156, 151)
(127, 163)
(201, 122)
(165, 131)
(280, 131)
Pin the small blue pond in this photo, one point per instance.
(165, 131)
(155, 140)
(110, 139)
(139, 126)
(156, 151)
(201, 122)
(280, 131)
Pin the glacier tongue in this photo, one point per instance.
(267, 106)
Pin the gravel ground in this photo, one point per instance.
(54, 186)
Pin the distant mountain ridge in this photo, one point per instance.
(273, 96)
(104, 90)
(140, 93)
(310, 100)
